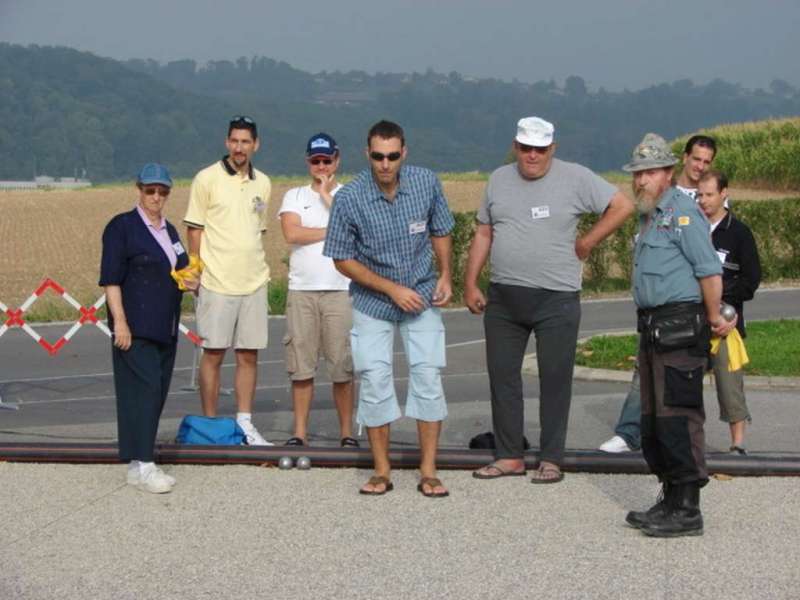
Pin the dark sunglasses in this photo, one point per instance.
(235, 120)
(324, 161)
(152, 191)
(380, 156)
(526, 149)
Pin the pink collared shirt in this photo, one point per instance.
(161, 235)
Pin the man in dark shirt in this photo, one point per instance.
(741, 276)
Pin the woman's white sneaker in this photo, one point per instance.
(135, 476)
(155, 481)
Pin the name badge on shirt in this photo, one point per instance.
(178, 247)
(258, 204)
(419, 227)
(540, 212)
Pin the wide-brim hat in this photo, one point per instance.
(653, 152)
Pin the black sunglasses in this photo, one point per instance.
(324, 161)
(242, 119)
(525, 148)
(380, 156)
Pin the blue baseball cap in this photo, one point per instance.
(321, 144)
(154, 173)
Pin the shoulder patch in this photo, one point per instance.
(682, 221)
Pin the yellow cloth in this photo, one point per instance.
(232, 212)
(191, 271)
(737, 353)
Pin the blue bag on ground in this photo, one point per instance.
(223, 431)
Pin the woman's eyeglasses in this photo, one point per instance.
(152, 191)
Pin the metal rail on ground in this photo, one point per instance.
(576, 461)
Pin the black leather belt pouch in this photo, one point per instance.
(677, 331)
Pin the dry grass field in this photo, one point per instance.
(56, 234)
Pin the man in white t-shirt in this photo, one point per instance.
(698, 154)
(318, 312)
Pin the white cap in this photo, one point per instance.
(533, 131)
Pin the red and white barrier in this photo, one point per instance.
(87, 315)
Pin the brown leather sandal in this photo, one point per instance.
(547, 474)
(376, 480)
(432, 482)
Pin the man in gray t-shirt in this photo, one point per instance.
(528, 221)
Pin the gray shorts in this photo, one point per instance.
(318, 322)
(730, 388)
(225, 321)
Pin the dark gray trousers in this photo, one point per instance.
(512, 313)
(142, 375)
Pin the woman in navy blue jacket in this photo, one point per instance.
(140, 249)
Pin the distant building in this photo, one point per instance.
(345, 98)
(45, 182)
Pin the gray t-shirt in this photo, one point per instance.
(534, 223)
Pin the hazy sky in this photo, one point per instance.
(611, 43)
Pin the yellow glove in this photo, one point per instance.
(737, 353)
(191, 271)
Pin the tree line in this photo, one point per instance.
(63, 111)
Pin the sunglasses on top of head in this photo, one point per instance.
(380, 156)
(242, 119)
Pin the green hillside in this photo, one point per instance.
(64, 111)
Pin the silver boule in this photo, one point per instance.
(727, 311)
(285, 462)
(304, 463)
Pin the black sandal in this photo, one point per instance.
(295, 441)
(348, 442)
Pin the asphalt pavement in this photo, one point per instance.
(78, 531)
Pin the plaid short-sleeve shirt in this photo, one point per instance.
(390, 238)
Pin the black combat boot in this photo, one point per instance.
(682, 517)
(639, 519)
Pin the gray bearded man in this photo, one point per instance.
(677, 287)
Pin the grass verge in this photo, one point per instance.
(773, 347)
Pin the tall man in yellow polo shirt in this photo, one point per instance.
(226, 217)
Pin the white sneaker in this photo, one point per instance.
(155, 481)
(615, 445)
(135, 476)
(252, 437)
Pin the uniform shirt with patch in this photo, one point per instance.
(673, 250)
(534, 223)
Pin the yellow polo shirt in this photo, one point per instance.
(232, 212)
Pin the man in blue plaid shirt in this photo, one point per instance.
(385, 226)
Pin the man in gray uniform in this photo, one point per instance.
(528, 220)
(698, 155)
(677, 287)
